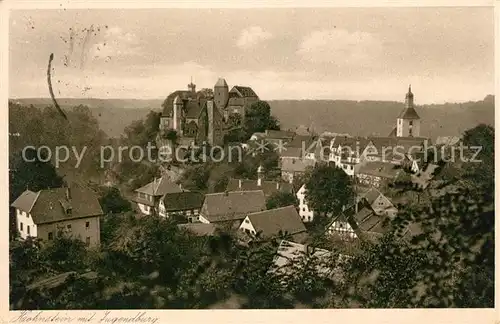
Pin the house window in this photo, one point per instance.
(28, 229)
(69, 227)
(20, 226)
(50, 236)
(247, 221)
(87, 225)
(410, 131)
(411, 122)
(87, 241)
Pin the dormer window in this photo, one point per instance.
(69, 212)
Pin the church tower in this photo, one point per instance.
(408, 122)
(192, 87)
(221, 93)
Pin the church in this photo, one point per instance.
(196, 117)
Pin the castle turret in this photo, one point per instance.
(221, 93)
(177, 113)
(408, 121)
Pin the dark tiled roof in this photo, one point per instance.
(186, 200)
(299, 141)
(278, 134)
(51, 205)
(236, 101)
(271, 222)
(199, 229)
(245, 91)
(371, 195)
(379, 143)
(269, 187)
(160, 187)
(292, 152)
(379, 169)
(232, 205)
(369, 223)
(25, 201)
(296, 165)
(409, 113)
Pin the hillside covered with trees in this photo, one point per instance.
(342, 116)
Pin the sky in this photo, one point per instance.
(446, 54)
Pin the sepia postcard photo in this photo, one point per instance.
(219, 157)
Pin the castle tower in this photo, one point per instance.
(408, 121)
(192, 86)
(177, 114)
(221, 93)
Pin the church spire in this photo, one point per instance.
(409, 94)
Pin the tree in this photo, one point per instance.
(281, 199)
(328, 190)
(35, 175)
(481, 137)
(112, 201)
(207, 92)
(258, 118)
(140, 132)
(432, 264)
(196, 177)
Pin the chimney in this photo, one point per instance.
(180, 186)
(356, 207)
(239, 183)
(68, 193)
(277, 185)
(260, 170)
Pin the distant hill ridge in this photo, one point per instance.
(342, 116)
